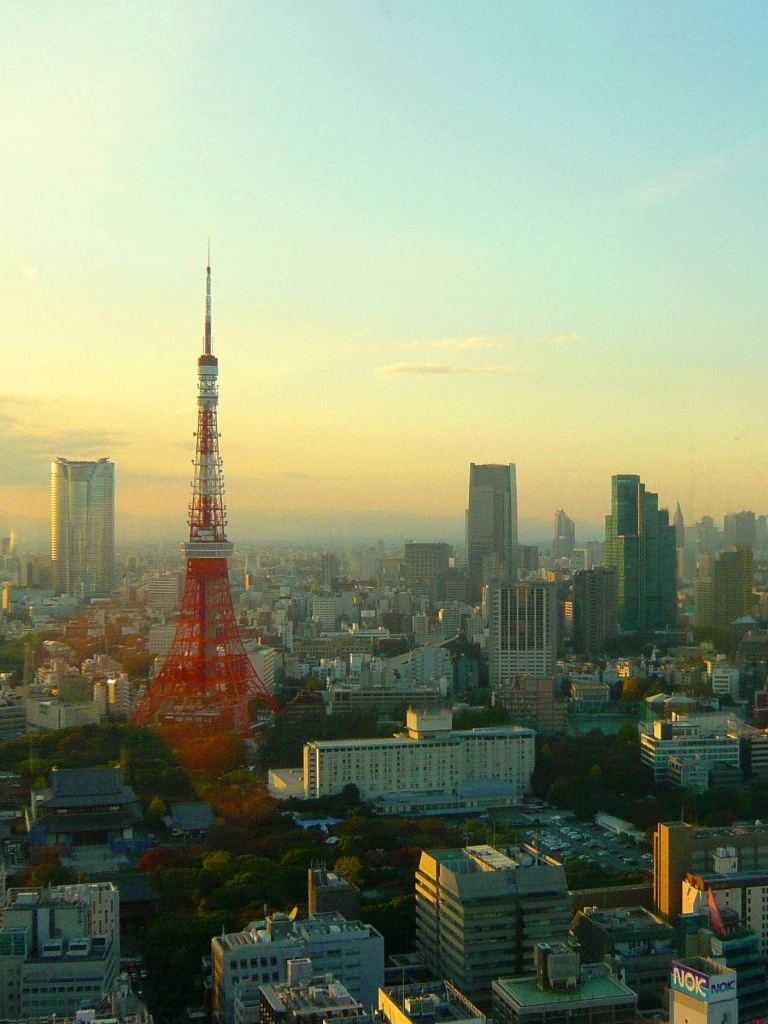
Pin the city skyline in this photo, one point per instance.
(441, 235)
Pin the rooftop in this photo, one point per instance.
(439, 1001)
(594, 987)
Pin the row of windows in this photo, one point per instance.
(255, 962)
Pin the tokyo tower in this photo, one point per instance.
(207, 678)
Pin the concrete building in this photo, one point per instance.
(595, 610)
(731, 945)
(329, 892)
(724, 678)
(734, 586)
(83, 527)
(564, 536)
(522, 621)
(532, 702)
(325, 612)
(687, 740)
(438, 1001)
(50, 715)
(426, 567)
(680, 849)
(350, 951)
(636, 944)
(743, 892)
(13, 713)
(563, 992)
(702, 991)
(430, 759)
(59, 949)
(309, 1000)
(480, 912)
(491, 524)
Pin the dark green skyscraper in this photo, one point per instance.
(640, 545)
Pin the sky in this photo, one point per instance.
(442, 232)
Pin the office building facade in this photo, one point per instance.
(680, 849)
(59, 949)
(350, 951)
(640, 544)
(564, 540)
(734, 586)
(426, 567)
(83, 527)
(595, 610)
(491, 523)
(481, 911)
(522, 621)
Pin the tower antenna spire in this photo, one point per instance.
(208, 303)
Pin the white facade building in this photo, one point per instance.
(59, 949)
(349, 951)
(686, 739)
(429, 758)
(325, 611)
(724, 679)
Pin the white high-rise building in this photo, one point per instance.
(83, 527)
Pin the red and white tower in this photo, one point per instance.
(207, 678)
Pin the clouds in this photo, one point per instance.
(467, 344)
(697, 172)
(441, 370)
(470, 344)
(24, 451)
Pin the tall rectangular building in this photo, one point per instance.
(426, 567)
(640, 544)
(522, 619)
(734, 586)
(480, 912)
(594, 610)
(491, 523)
(83, 527)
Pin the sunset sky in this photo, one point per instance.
(442, 232)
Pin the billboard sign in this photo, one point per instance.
(709, 988)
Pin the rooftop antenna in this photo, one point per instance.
(208, 302)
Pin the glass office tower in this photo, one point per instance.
(83, 527)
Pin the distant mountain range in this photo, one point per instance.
(253, 526)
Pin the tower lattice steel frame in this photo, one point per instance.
(207, 678)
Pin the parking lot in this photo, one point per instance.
(566, 839)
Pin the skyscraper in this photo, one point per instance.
(734, 585)
(491, 523)
(565, 535)
(522, 620)
(640, 545)
(83, 527)
(594, 610)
